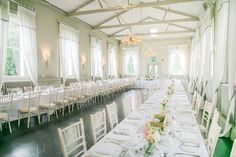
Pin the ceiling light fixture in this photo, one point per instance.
(131, 40)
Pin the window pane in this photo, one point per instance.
(14, 59)
(131, 61)
(130, 66)
(177, 60)
(96, 57)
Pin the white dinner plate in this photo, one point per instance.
(170, 142)
(189, 149)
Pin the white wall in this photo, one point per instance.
(47, 18)
(160, 47)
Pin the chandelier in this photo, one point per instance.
(131, 40)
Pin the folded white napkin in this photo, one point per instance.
(116, 137)
(132, 122)
(104, 149)
(135, 116)
(187, 136)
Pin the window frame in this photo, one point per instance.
(23, 71)
(69, 55)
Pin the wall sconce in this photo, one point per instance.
(46, 56)
(83, 60)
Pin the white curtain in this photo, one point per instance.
(28, 46)
(131, 61)
(177, 60)
(4, 17)
(194, 65)
(69, 50)
(220, 68)
(206, 42)
(112, 61)
(96, 57)
(231, 64)
(220, 42)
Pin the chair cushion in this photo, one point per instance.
(61, 102)
(26, 110)
(81, 97)
(3, 116)
(71, 99)
(51, 105)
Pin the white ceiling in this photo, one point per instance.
(175, 11)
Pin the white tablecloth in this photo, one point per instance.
(147, 84)
(21, 101)
(182, 135)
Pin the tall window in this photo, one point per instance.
(130, 61)
(177, 59)
(14, 63)
(69, 48)
(96, 57)
(112, 70)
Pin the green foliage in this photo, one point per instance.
(10, 69)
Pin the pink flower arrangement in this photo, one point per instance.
(148, 135)
(151, 135)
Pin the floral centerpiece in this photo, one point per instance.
(152, 136)
(159, 121)
(170, 89)
(164, 103)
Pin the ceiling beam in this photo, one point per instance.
(183, 27)
(146, 23)
(82, 5)
(172, 24)
(119, 31)
(100, 3)
(158, 33)
(137, 5)
(171, 39)
(177, 12)
(110, 18)
(165, 14)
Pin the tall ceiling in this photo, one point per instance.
(145, 18)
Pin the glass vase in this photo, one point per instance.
(149, 149)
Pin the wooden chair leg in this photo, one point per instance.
(56, 113)
(18, 119)
(39, 118)
(28, 122)
(63, 110)
(9, 124)
(48, 116)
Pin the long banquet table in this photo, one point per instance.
(181, 138)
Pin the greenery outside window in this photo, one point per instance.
(14, 64)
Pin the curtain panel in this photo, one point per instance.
(28, 47)
(96, 57)
(4, 17)
(69, 50)
(131, 61)
(112, 60)
(231, 64)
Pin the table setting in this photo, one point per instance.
(164, 126)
